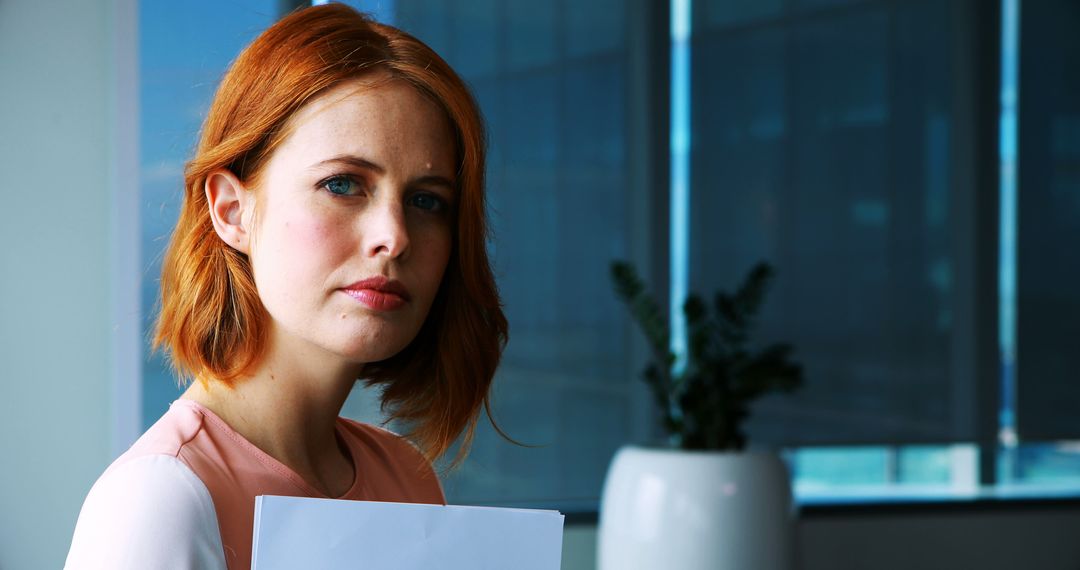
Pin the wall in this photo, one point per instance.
(987, 539)
(1043, 539)
(57, 297)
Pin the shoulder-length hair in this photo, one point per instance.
(212, 322)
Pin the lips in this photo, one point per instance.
(379, 293)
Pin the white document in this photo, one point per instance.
(330, 534)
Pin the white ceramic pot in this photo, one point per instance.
(689, 510)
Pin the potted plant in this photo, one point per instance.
(703, 501)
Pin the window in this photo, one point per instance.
(554, 81)
(844, 142)
(1046, 145)
(565, 187)
(825, 141)
(858, 145)
(184, 49)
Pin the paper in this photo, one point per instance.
(329, 534)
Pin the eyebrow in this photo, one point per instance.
(358, 162)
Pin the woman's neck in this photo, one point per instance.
(289, 412)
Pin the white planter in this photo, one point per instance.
(686, 510)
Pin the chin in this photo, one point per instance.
(364, 352)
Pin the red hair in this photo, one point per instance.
(212, 322)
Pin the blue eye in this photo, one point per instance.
(428, 202)
(340, 185)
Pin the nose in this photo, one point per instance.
(385, 230)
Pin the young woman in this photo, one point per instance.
(333, 229)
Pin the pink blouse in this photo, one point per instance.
(157, 505)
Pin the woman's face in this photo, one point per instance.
(361, 192)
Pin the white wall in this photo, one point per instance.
(58, 145)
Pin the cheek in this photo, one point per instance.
(305, 246)
(322, 227)
(436, 258)
(314, 235)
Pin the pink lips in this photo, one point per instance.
(379, 293)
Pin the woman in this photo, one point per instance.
(332, 229)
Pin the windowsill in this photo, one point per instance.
(872, 500)
(886, 501)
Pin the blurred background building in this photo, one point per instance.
(910, 167)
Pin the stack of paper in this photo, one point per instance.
(295, 532)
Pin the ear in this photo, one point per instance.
(231, 208)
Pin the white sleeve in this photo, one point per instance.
(150, 512)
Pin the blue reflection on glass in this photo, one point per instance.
(1010, 32)
(680, 172)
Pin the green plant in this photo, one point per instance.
(705, 402)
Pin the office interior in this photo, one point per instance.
(910, 168)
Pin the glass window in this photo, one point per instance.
(184, 49)
(1048, 221)
(824, 144)
(552, 80)
(831, 137)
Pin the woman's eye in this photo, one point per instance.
(340, 185)
(428, 202)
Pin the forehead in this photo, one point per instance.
(376, 117)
